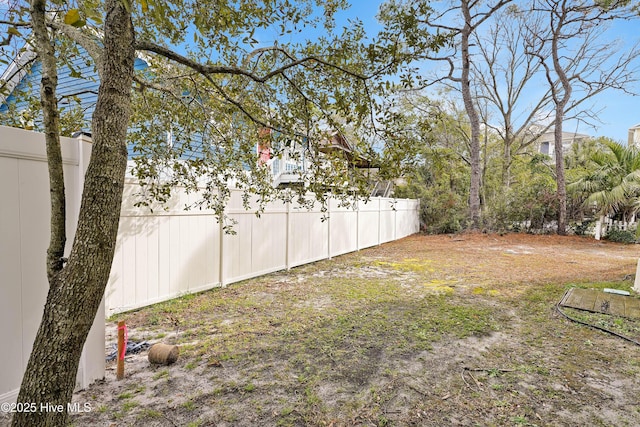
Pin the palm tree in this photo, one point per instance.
(613, 184)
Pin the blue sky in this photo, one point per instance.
(619, 112)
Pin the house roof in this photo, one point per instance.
(549, 136)
(338, 143)
(16, 71)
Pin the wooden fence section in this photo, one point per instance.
(24, 238)
(173, 252)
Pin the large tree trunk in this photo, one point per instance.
(561, 191)
(506, 158)
(474, 120)
(561, 100)
(76, 290)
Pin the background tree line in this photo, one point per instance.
(511, 72)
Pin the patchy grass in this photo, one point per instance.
(424, 331)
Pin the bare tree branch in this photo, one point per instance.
(575, 64)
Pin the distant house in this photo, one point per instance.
(77, 90)
(634, 136)
(288, 161)
(546, 142)
(285, 159)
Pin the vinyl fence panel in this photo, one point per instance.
(308, 233)
(343, 229)
(259, 245)
(369, 223)
(162, 254)
(24, 238)
(387, 221)
(171, 252)
(407, 221)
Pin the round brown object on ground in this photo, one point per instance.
(163, 354)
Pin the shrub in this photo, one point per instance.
(584, 228)
(621, 236)
(443, 202)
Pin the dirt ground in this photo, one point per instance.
(426, 331)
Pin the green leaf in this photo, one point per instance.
(14, 31)
(72, 17)
(92, 13)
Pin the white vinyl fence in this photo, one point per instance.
(604, 224)
(159, 256)
(24, 238)
(169, 253)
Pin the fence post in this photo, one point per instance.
(636, 284)
(379, 220)
(84, 156)
(395, 221)
(287, 257)
(329, 228)
(221, 249)
(357, 225)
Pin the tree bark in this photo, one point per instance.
(51, 120)
(75, 291)
(560, 100)
(561, 191)
(474, 120)
(506, 158)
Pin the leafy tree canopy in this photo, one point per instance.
(611, 179)
(219, 72)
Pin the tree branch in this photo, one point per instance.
(89, 44)
(49, 81)
(208, 70)
(16, 23)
